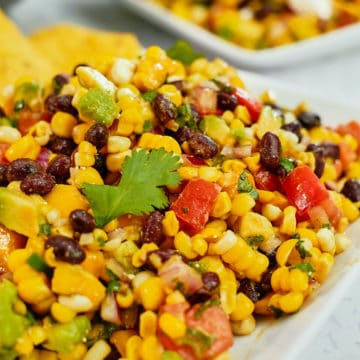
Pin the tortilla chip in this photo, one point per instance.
(17, 56)
(68, 45)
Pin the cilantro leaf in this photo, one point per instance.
(255, 240)
(37, 263)
(305, 266)
(244, 185)
(301, 250)
(139, 189)
(183, 52)
(149, 96)
(185, 116)
(222, 86)
(287, 165)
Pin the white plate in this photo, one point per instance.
(334, 42)
(288, 336)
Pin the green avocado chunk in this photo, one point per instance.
(18, 212)
(99, 105)
(63, 337)
(215, 127)
(13, 325)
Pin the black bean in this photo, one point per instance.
(66, 249)
(319, 162)
(226, 101)
(200, 296)
(59, 81)
(270, 151)
(264, 286)
(309, 119)
(20, 168)
(64, 103)
(3, 179)
(203, 146)
(164, 108)
(165, 254)
(81, 221)
(329, 149)
(152, 230)
(51, 103)
(183, 134)
(351, 190)
(294, 127)
(263, 12)
(100, 164)
(180, 85)
(97, 135)
(60, 145)
(210, 280)
(248, 287)
(38, 183)
(59, 168)
(2, 112)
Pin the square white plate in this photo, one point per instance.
(331, 43)
(283, 339)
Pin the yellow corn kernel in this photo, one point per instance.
(125, 300)
(225, 243)
(155, 141)
(25, 147)
(24, 272)
(233, 166)
(34, 289)
(77, 353)
(24, 345)
(172, 325)
(87, 148)
(62, 124)
(170, 223)
(244, 308)
(148, 324)
(254, 224)
(349, 209)
(140, 256)
(259, 265)
(271, 212)
(100, 350)
(291, 302)
(126, 128)
(342, 242)
(188, 172)
(9, 135)
(242, 203)
(119, 339)
(199, 245)
(228, 294)
(175, 297)
(209, 173)
(132, 348)
(235, 253)
(62, 313)
(66, 198)
(246, 260)
(299, 280)
(151, 348)
(323, 267)
(37, 334)
(243, 327)
(182, 243)
(20, 307)
(265, 196)
(277, 279)
(117, 144)
(310, 234)
(88, 175)
(288, 224)
(84, 159)
(17, 258)
(284, 251)
(114, 161)
(151, 293)
(172, 92)
(326, 240)
(79, 131)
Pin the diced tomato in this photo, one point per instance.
(3, 148)
(9, 241)
(27, 119)
(332, 210)
(265, 180)
(352, 128)
(304, 189)
(253, 105)
(347, 155)
(194, 204)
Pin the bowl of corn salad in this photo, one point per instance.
(155, 209)
(259, 34)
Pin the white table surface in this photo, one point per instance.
(336, 77)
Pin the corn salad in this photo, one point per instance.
(153, 209)
(258, 24)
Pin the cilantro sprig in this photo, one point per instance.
(244, 185)
(139, 191)
(183, 52)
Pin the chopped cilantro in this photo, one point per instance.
(171, 355)
(198, 266)
(301, 250)
(148, 126)
(255, 240)
(295, 236)
(185, 116)
(206, 305)
(101, 241)
(149, 96)
(185, 209)
(179, 285)
(287, 165)
(277, 312)
(238, 133)
(114, 284)
(305, 267)
(19, 105)
(244, 186)
(45, 229)
(198, 340)
(37, 263)
(183, 52)
(222, 86)
(225, 32)
(8, 121)
(326, 226)
(142, 170)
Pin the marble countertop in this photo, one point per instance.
(336, 77)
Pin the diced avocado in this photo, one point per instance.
(18, 212)
(98, 105)
(171, 355)
(215, 127)
(123, 254)
(63, 337)
(13, 325)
